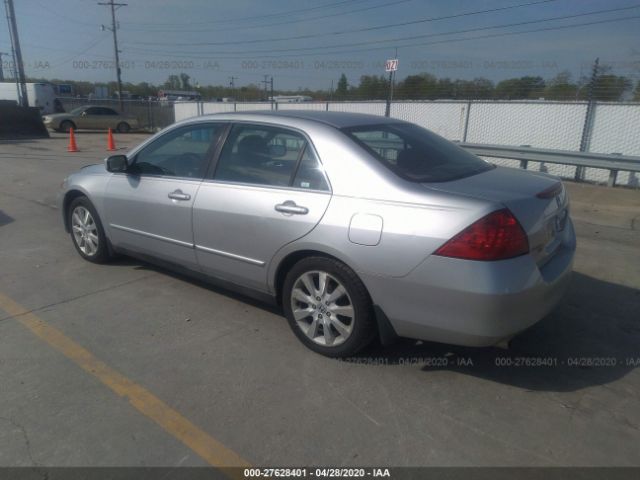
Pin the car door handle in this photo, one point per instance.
(291, 207)
(178, 195)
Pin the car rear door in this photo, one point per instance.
(267, 189)
(110, 118)
(148, 209)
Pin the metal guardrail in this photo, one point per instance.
(613, 162)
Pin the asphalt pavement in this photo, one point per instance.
(130, 365)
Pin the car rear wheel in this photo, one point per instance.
(67, 125)
(123, 127)
(86, 231)
(328, 307)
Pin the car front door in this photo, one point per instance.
(268, 189)
(89, 119)
(148, 209)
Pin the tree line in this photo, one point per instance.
(423, 86)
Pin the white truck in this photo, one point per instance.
(41, 95)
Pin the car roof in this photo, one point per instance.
(334, 119)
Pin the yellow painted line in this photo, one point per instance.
(207, 447)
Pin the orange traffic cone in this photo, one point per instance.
(111, 144)
(72, 142)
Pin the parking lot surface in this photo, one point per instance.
(127, 364)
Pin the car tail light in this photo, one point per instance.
(497, 236)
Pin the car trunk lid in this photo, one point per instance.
(537, 200)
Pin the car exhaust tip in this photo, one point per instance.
(504, 344)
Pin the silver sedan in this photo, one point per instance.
(358, 226)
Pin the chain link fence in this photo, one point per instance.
(606, 127)
(152, 115)
(552, 125)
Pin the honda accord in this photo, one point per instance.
(357, 225)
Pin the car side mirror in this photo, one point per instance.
(83, 114)
(117, 163)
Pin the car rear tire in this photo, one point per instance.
(328, 307)
(123, 127)
(67, 125)
(86, 231)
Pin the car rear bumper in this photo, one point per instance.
(474, 303)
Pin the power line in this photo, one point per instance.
(255, 17)
(357, 30)
(53, 11)
(390, 40)
(58, 49)
(503, 34)
(67, 58)
(288, 22)
(77, 21)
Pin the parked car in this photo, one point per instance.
(91, 118)
(357, 225)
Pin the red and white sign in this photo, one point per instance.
(391, 65)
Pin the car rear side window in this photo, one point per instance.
(416, 154)
(310, 174)
(260, 155)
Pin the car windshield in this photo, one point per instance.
(416, 154)
(77, 111)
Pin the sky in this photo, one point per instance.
(310, 43)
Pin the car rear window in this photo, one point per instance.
(416, 154)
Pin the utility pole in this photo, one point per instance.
(588, 117)
(272, 99)
(590, 106)
(23, 100)
(1, 70)
(232, 84)
(265, 82)
(115, 44)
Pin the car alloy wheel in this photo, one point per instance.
(85, 231)
(322, 308)
(328, 307)
(66, 126)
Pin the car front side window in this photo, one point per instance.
(260, 155)
(184, 152)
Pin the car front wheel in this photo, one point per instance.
(86, 231)
(328, 307)
(123, 127)
(67, 125)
